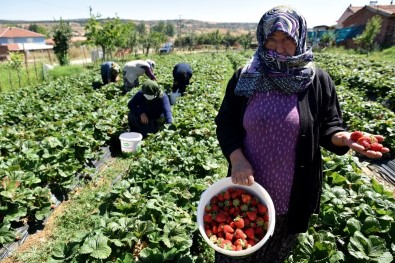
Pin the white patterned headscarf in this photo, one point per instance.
(269, 70)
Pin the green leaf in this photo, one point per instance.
(352, 226)
(96, 246)
(6, 235)
(371, 225)
(148, 255)
(369, 249)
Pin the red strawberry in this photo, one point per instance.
(231, 190)
(232, 211)
(251, 215)
(226, 195)
(220, 218)
(234, 195)
(207, 208)
(226, 244)
(247, 221)
(356, 135)
(245, 198)
(259, 231)
(228, 229)
(240, 234)
(229, 236)
(209, 232)
(214, 200)
(239, 222)
(215, 229)
(208, 218)
(254, 201)
(240, 191)
(376, 147)
(240, 242)
(249, 232)
(261, 209)
(251, 242)
(214, 208)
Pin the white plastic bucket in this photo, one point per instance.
(173, 97)
(255, 189)
(130, 141)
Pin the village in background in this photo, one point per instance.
(45, 44)
(191, 35)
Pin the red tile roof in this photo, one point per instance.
(18, 32)
(354, 9)
(389, 9)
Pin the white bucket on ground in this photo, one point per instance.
(130, 141)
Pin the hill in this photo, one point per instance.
(187, 26)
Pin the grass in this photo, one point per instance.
(65, 71)
(9, 79)
(385, 55)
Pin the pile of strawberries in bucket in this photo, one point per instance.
(235, 219)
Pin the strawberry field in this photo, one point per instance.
(52, 135)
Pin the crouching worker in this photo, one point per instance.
(134, 69)
(149, 108)
(110, 72)
(182, 73)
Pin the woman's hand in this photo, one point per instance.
(144, 118)
(242, 172)
(343, 139)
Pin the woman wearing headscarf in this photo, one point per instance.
(182, 74)
(110, 72)
(147, 107)
(134, 69)
(278, 110)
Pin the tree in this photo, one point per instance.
(216, 39)
(328, 38)
(229, 40)
(160, 27)
(62, 34)
(38, 29)
(109, 35)
(366, 41)
(245, 40)
(15, 63)
(169, 29)
(140, 28)
(152, 40)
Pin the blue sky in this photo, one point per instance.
(316, 12)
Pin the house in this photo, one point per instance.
(361, 17)
(14, 39)
(351, 10)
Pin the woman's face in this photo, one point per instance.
(281, 43)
